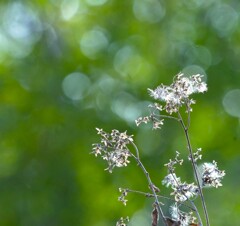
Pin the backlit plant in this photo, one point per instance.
(114, 148)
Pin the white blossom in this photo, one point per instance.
(179, 91)
(211, 175)
(122, 221)
(181, 191)
(171, 180)
(118, 158)
(185, 191)
(183, 218)
(113, 148)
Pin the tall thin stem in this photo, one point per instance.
(192, 203)
(185, 128)
(151, 185)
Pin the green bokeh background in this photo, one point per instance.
(68, 66)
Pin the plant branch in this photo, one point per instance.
(189, 200)
(146, 194)
(166, 116)
(151, 185)
(194, 167)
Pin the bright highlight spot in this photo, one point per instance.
(69, 8)
(199, 55)
(76, 85)
(125, 107)
(21, 23)
(148, 11)
(127, 61)
(194, 70)
(224, 19)
(231, 103)
(93, 42)
(21, 29)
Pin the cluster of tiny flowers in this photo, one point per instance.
(171, 164)
(185, 191)
(121, 198)
(211, 175)
(171, 180)
(122, 221)
(183, 218)
(141, 120)
(181, 191)
(178, 92)
(196, 155)
(113, 148)
(154, 118)
(157, 123)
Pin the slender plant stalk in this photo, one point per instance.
(114, 149)
(194, 167)
(196, 211)
(151, 185)
(166, 116)
(193, 208)
(189, 200)
(146, 194)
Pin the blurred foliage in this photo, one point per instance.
(68, 66)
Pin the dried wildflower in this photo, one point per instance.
(171, 164)
(118, 158)
(179, 91)
(171, 180)
(123, 195)
(122, 221)
(174, 211)
(211, 175)
(156, 106)
(185, 191)
(97, 149)
(183, 218)
(113, 148)
(196, 155)
(140, 120)
(181, 191)
(157, 123)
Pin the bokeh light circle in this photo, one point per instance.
(76, 85)
(193, 70)
(69, 9)
(231, 102)
(148, 11)
(127, 61)
(93, 42)
(224, 19)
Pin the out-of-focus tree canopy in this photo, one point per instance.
(68, 66)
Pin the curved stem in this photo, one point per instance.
(136, 149)
(151, 185)
(194, 168)
(159, 196)
(166, 116)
